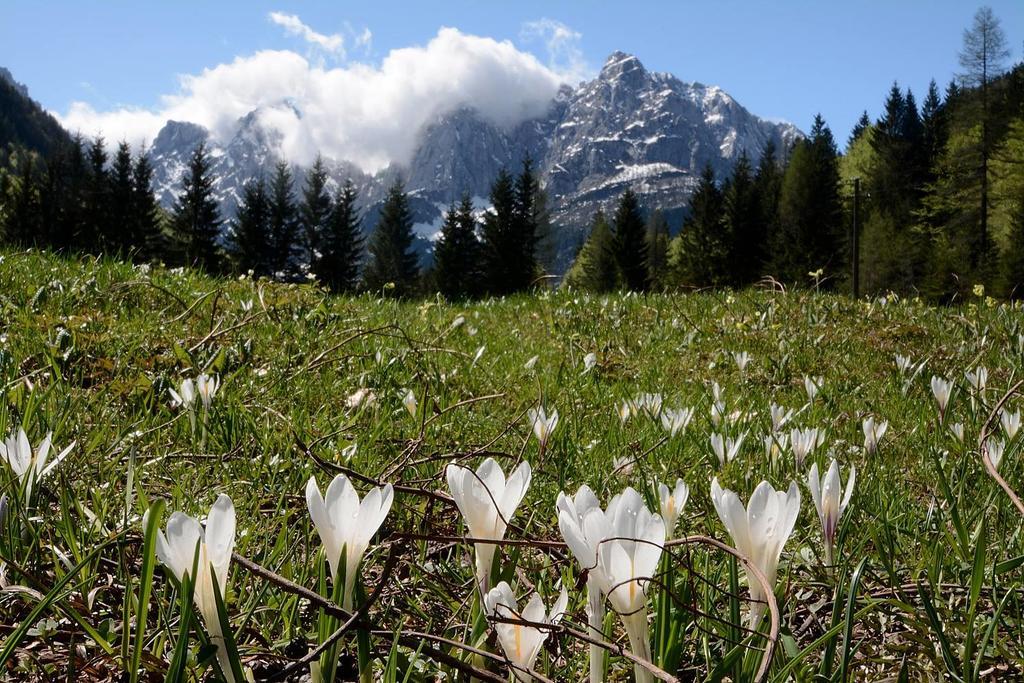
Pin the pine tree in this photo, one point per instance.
(283, 222)
(595, 269)
(1012, 271)
(195, 221)
(391, 259)
(525, 227)
(456, 257)
(657, 250)
(767, 188)
(92, 235)
(742, 224)
(547, 233)
(147, 238)
(863, 123)
(630, 243)
(501, 247)
(21, 222)
(810, 235)
(341, 244)
(249, 243)
(315, 210)
(982, 58)
(933, 123)
(69, 197)
(702, 259)
(119, 229)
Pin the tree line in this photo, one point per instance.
(941, 210)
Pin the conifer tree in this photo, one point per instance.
(595, 269)
(547, 232)
(809, 237)
(630, 243)
(69, 196)
(22, 210)
(933, 124)
(147, 236)
(315, 210)
(249, 243)
(657, 250)
(525, 227)
(195, 221)
(703, 256)
(96, 219)
(283, 222)
(119, 228)
(341, 244)
(982, 59)
(1012, 265)
(392, 261)
(863, 123)
(456, 257)
(742, 224)
(501, 245)
(768, 188)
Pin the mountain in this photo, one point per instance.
(23, 122)
(628, 127)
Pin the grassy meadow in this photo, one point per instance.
(925, 582)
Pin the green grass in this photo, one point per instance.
(89, 350)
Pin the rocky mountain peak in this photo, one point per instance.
(622, 67)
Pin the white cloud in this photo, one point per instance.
(365, 113)
(563, 46)
(334, 43)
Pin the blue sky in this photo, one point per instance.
(785, 60)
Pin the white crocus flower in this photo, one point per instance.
(726, 448)
(359, 397)
(941, 390)
(873, 433)
(1010, 422)
(572, 512)
(780, 416)
(742, 359)
(676, 420)
(30, 466)
(978, 378)
(528, 365)
(177, 549)
(774, 445)
(522, 642)
(346, 525)
(995, 449)
(826, 495)
(957, 430)
(812, 385)
(718, 411)
(628, 555)
(409, 402)
(623, 465)
(625, 410)
(185, 396)
(487, 502)
(903, 364)
(206, 388)
(672, 502)
(543, 424)
(803, 442)
(759, 531)
(589, 361)
(648, 403)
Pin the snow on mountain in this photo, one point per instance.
(628, 127)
